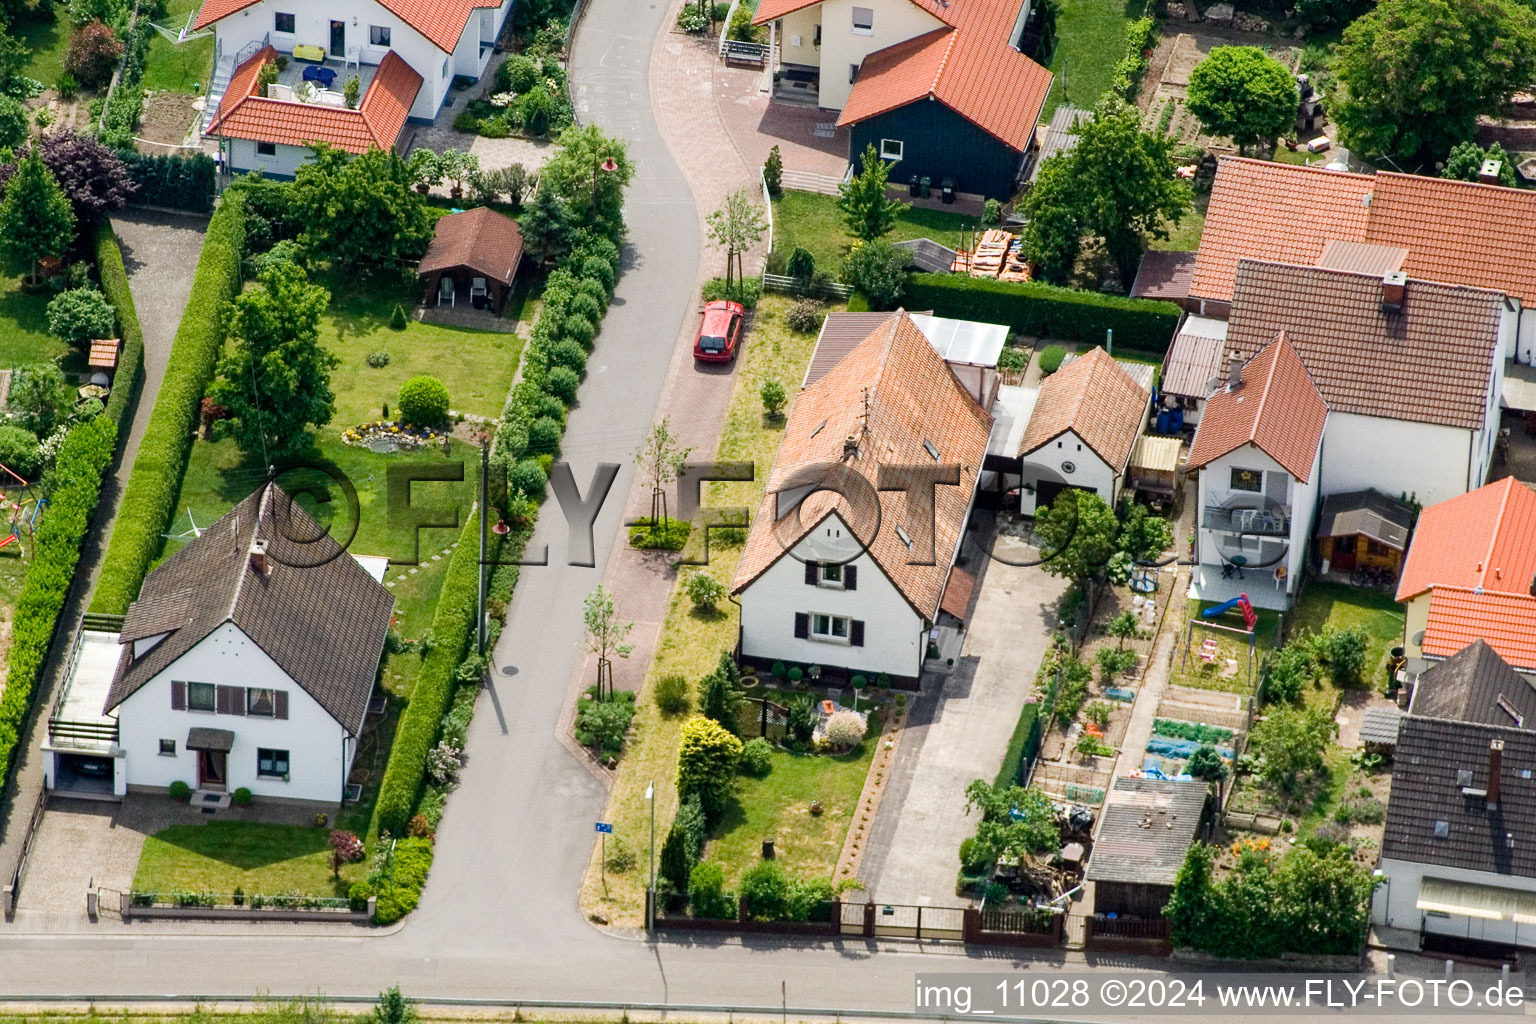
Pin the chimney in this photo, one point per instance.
(851, 447)
(1488, 173)
(1533, 586)
(258, 557)
(1234, 371)
(1495, 758)
(1393, 284)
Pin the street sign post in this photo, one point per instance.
(604, 829)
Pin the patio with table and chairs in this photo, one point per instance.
(322, 79)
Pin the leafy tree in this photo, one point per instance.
(1287, 673)
(661, 457)
(15, 122)
(706, 764)
(548, 226)
(276, 379)
(92, 175)
(457, 167)
(35, 219)
(866, 211)
(1014, 821)
(40, 398)
(1123, 627)
(1466, 160)
(20, 451)
(81, 315)
(423, 401)
(1054, 235)
(1188, 909)
(720, 696)
(606, 636)
(1143, 535)
(393, 1008)
(1415, 74)
(773, 173)
(736, 226)
(1112, 661)
(93, 52)
(1077, 535)
(361, 211)
(774, 397)
(877, 269)
(1243, 93)
(1343, 651)
(14, 60)
(1291, 741)
(83, 12)
(1323, 901)
(578, 174)
(704, 591)
(1206, 764)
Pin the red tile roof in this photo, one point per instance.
(1485, 538)
(1094, 397)
(1429, 362)
(1458, 617)
(481, 239)
(969, 68)
(892, 393)
(1277, 409)
(441, 21)
(377, 121)
(1455, 231)
(772, 10)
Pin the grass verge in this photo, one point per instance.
(256, 857)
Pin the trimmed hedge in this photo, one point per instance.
(413, 860)
(1045, 310)
(84, 458)
(452, 626)
(162, 458)
(114, 285)
(175, 182)
(1021, 746)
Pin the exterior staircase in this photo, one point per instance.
(223, 70)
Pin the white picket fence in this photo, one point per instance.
(809, 181)
(785, 283)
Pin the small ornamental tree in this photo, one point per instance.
(736, 226)
(352, 91)
(878, 269)
(1290, 741)
(547, 226)
(1465, 163)
(36, 221)
(773, 173)
(1124, 627)
(661, 456)
(867, 213)
(606, 636)
(706, 764)
(93, 52)
(1243, 93)
(92, 175)
(393, 1008)
(423, 401)
(1143, 535)
(80, 316)
(703, 589)
(720, 696)
(40, 398)
(773, 396)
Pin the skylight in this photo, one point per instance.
(931, 448)
(819, 427)
(1442, 829)
(904, 536)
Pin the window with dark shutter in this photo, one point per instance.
(856, 633)
(850, 577)
(178, 695)
(231, 700)
(812, 573)
(279, 703)
(802, 626)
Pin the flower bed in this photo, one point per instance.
(390, 435)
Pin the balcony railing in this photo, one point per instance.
(1274, 521)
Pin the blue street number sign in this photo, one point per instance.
(604, 826)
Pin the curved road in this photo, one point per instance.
(499, 917)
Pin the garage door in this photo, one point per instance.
(79, 773)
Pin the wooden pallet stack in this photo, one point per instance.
(997, 254)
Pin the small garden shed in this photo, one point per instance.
(1148, 826)
(473, 258)
(1361, 529)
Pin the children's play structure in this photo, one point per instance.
(1210, 646)
(24, 510)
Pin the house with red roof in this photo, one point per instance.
(942, 89)
(406, 54)
(1471, 574)
(1259, 450)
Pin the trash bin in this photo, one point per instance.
(912, 187)
(926, 183)
(947, 190)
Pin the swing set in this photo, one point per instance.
(1210, 647)
(24, 511)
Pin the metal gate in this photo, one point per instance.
(109, 901)
(894, 920)
(762, 717)
(852, 919)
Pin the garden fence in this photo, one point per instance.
(824, 290)
(12, 890)
(762, 717)
(762, 179)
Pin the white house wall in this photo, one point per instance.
(894, 637)
(314, 740)
(285, 163)
(1045, 462)
(894, 22)
(1525, 346)
(1394, 903)
(1301, 498)
(1398, 457)
(797, 37)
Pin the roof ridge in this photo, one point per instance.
(1493, 537)
(949, 46)
(1347, 272)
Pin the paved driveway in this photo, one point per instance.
(960, 734)
(80, 844)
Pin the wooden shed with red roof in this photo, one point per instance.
(473, 259)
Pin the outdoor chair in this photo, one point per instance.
(354, 58)
(479, 293)
(445, 291)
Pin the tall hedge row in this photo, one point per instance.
(114, 285)
(157, 469)
(1045, 310)
(452, 625)
(85, 456)
(175, 182)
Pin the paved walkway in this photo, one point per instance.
(160, 253)
(960, 733)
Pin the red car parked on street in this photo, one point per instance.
(719, 332)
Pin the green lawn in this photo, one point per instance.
(255, 856)
(1185, 235)
(778, 805)
(47, 36)
(1340, 605)
(24, 334)
(178, 67)
(1090, 38)
(811, 221)
(1191, 671)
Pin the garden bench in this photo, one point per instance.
(746, 53)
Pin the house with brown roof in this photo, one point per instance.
(474, 257)
(325, 43)
(1471, 575)
(1258, 450)
(851, 554)
(1082, 430)
(942, 89)
(248, 661)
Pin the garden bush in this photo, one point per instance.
(418, 726)
(585, 304)
(148, 500)
(703, 589)
(765, 891)
(578, 328)
(878, 270)
(80, 316)
(528, 477)
(845, 730)
(756, 758)
(774, 397)
(804, 316)
(706, 764)
(746, 292)
(685, 842)
(84, 457)
(707, 894)
(544, 436)
(1051, 358)
(423, 401)
(1043, 310)
(21, 451)
(399, 892)
(672, 694)
(92, 53)
(562, 382)
(602, 723)
(178, 790)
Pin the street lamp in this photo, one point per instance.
(650, 899)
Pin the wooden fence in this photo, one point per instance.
(1150, 937)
